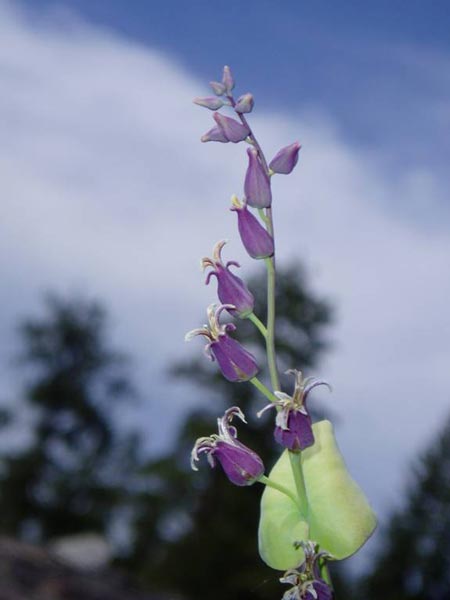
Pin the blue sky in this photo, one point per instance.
(108, 192)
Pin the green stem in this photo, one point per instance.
(270, 339)
(262, 214)
(297, 472)
(277, 486)
(263, 389)
(259, 324)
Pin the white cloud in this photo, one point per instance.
(106, 190)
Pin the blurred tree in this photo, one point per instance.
(414, 559)
(77, 470)
(197, 533)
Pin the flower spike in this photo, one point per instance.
(230, 288)
(293, 426)
(242, 466)
(235, 362)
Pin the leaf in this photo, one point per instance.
(336, 513)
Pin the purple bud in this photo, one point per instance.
(257, 183)
(230, 288)
(227, 80)
(255, 238)
(217, 88)
(244, 104)
(298, 435)
(211, 102)
(286, 159)
(214, 135)
(235, 362)
(231, 129)
(242, 466)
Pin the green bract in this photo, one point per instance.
(332, 510)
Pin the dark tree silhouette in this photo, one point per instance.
(414, 559)
(197, 533)
(78, 468)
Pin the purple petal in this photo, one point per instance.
(257, 183)
(232, 290)
(235, 362)
(299, 434)
(231, 129)
(286, 159)
(242, 466)
(255, 238)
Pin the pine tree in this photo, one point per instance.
(197, 533)
(77, 469)
(414, 559)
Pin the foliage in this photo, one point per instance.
(75, 472)
(414, 560)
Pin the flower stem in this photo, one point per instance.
(270, 262)
(277, 486)
(262, 328)
(263, 389)
(270, 339)
(297, 472)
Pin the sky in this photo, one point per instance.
(107, 191)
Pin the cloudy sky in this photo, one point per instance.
(107, 192)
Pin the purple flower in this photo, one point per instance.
(306, 581)
(256, 239)
(233, 130)
(211, 102)
(257, 183)
(244, 104)
(293, 426)
(242, 466)
(235, 362)
(285, 160)
(230, 288)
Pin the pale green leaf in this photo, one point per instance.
(333, 512)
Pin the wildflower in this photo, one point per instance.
(293, 426)
(286, 159)
(235, 362)
(242, 466)
(230, 288)
(256, 239)
(306, 582)
(217, 88)
(257, 183)
(214, 135)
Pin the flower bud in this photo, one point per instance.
(214, 135)
(217, 88)
(227, 80)
(285, 160)
(231, 129)
(230, 288)
(255, 238)
(211, 102)
(244, 104)
(257, 183)
(241, 465)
